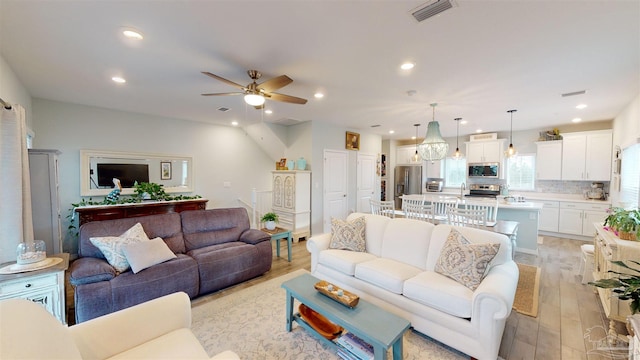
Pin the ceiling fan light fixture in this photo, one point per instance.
(254, 99)
(433, 147)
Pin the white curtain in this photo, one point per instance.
(16, 224)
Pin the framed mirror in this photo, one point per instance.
(99, 167)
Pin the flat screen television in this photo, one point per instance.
(128, 174)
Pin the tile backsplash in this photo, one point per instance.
(566, 187)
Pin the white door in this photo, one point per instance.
(335, 187)
(366, 181)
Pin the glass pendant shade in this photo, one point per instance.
(433, 147)
(511, 151)
(457, 155)
(254, 99)
(416, 157)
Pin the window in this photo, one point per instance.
(630, 177)
(521, 171)
(455, 171)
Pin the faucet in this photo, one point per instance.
(463, 187)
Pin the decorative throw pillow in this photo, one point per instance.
(111, 246)
(348, 235)
(464, 261)
(144, 254)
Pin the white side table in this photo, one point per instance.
(45, 287)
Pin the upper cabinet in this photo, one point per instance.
(484, 151)
(549, 160)
(404, 155)
(587, 156)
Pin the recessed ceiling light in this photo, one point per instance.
(463, 122)
(132, 34)
(413, 138)
(407, 66)
(318, 95)
(581, 106)
(576, 120)
(119, 79)
(268, 112)
(234, 123)
(479, 131)
(391, 132)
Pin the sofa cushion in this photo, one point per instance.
(348, 235)
(374, 231)
(203, 228)
(112, 246)
(439, 292)
(342, 260)
(407, 241)
(464, 261)
(89, 270)
(144, 254)
(386, 273)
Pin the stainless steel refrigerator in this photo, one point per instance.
(408, 180)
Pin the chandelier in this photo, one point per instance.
(433, 147)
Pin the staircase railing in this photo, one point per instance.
(259, 205)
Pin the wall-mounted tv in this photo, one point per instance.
(128, 174)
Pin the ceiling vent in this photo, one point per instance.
(574, 93)
(223, 109)
(431, 8)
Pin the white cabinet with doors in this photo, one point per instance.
(548, 218)
(485, 151)
(405, 155)
(578, 218)
(292, 201)
(587, 155)
(549, 160)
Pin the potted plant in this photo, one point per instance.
(625, 286)
(624, 223)
(269, 219)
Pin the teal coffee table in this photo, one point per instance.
(372, 324)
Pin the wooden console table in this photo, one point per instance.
(119, 211)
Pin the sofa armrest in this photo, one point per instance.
(315, 245)
(254, 236)
(88, 270)
(494, 296)
(111, 334)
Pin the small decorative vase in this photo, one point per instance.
(291, 164)
(302, 164)
(270, 225)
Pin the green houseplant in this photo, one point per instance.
(624, 223)
(624, 286)
(269, 219)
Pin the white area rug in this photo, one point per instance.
(252, 321)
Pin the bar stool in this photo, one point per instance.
(586, 263)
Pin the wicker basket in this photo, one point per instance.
(627, 235)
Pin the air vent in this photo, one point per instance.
(223, 109)
(574, 93)
(431, 8)
(483, 137)
(375, 126)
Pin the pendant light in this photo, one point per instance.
(416, 157)
(511, 151)
(433, 147)
(457, 155)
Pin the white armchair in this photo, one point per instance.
(157, 329)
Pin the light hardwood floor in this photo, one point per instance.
(567, 309)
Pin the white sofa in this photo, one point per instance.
(157, 329)
(397, 273)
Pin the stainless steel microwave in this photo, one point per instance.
(487, 170)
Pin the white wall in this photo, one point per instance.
(626, 131)
(220, 154)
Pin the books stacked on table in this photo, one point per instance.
(351, 347)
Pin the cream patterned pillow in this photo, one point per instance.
(144, 254)
(348, 235)
(464, 261)
(111, 246)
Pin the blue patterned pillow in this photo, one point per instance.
(464, 261)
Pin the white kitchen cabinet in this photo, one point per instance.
(484, 151)
(405, 155)
(45, 287)
(587, 155)
(578, 218)
(45, 200)
(548, 218)
(549, 160)
(292, 201)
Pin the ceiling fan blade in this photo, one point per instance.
(275, 83)
(229, 82)
(286, 98)
(223, 94)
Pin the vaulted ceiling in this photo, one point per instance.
(476, 60)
